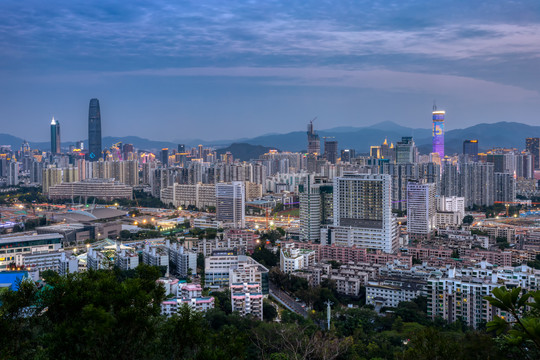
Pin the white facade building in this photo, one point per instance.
(59, 261)
(420, 210)
(156, 256)
(363, 213)
(247, 299)
(294, 259)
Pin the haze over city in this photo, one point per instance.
(216, 70)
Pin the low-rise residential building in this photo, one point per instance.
(247, 270)
(184, 262)
(390, 292)
(156, 256)
(96, 260)
(242, 239)
(247, 299)
(170, 285)
(221, 267)
(126, 259)
(459, 294)
(294, 259)
(171, 306)
(507, 232)
(59, 261)
(186, 290)
(345, 254)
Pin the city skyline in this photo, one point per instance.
(205, 70)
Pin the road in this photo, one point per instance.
(287, 301)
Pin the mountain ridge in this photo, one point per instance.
(500, 134)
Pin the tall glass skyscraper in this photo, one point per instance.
(55, 137)
(438, 133)
(94, 131)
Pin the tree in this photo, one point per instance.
(265, 257)
(468, 219)
(125, 234)
(269, 311)
(86, 313)
(521, 326)
(535, 263)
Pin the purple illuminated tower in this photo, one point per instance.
(438, 132)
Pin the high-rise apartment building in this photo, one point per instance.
(470, 148)
(331, 150)
(128, 152)
(55, 137)
(165, 157)
(363, 213)
(476, 184)
(13, 173)
(94, 131)
(316, 201)
(438, 132)
(347, 155)
(400, 175)
(421, 208)
(314, 143)
(505, 187)
(51, 176)
(230, 203)
(533, 146)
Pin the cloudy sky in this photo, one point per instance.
(229, 69)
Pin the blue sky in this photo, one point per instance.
(230, 69)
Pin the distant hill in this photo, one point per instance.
(138, 142)
(503, 134)
(245, 152)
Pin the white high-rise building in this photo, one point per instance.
(230, 203)
(13, 173)
(420, 210)
(363, 213)
(315, 207)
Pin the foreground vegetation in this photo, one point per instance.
(113, 314)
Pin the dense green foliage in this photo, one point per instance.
(468, 219)
(116, 315)
(521, 326)
(535, 263)
(265, 257)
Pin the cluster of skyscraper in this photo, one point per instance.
(94, 133)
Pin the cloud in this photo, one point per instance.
(377, 79)
(276, 30)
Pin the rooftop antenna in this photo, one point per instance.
(434, 105)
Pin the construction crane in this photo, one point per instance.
(266, 209)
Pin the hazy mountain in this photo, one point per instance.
(503, 134)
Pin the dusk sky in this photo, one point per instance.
(168, 70)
